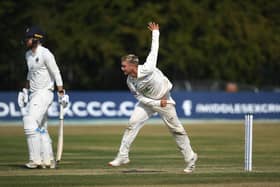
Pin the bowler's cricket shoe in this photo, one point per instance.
(119, 161)
(32, 165)
(191, 165)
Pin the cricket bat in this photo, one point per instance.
(60, 134)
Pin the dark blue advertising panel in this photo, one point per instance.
(228, 105)
(189, 105)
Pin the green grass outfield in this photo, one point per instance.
(155, 160)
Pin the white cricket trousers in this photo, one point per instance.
(168, 114)
(35, 127)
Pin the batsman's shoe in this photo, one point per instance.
(32, 165)
(191, 165)
(50, 164)
(119, 161)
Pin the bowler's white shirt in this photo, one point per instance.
(42, 69)
(151, 84)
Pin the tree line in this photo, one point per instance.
(225, 40)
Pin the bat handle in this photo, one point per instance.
(61, 112)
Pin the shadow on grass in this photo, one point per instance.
(142, 171)
(15, 166)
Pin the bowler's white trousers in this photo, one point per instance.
(168, 114)
(35, 127)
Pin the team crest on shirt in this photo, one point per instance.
(37, 59)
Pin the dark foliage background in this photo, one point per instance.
(221, 40)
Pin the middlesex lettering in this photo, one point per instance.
(237, 108)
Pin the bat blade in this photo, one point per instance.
(60, 135)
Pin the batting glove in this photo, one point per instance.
(63, 99)
(23, 98)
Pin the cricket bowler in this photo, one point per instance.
(152, 90)
(37, 96)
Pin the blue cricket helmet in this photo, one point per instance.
(34, 32)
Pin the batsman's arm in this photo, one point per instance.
(60, 90)
(53, 69)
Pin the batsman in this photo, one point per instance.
(152, 90)
(37, 96)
